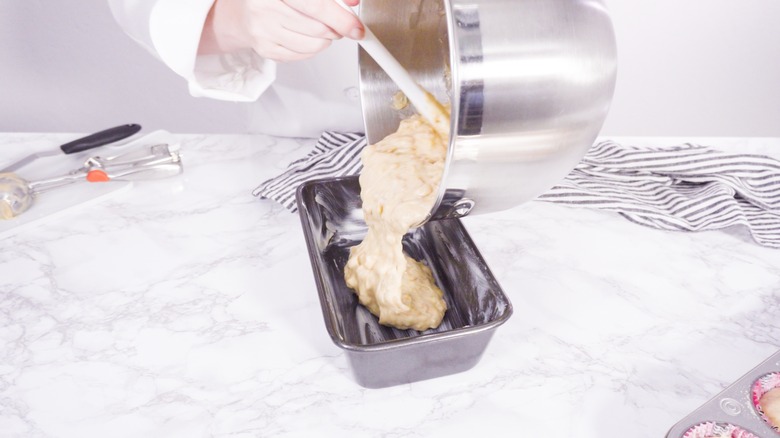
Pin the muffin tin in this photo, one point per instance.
(380, 356)
(736, 412)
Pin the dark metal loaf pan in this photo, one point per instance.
(381, 356)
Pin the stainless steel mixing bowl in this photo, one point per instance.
(529, 83)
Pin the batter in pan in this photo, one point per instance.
(399, 185)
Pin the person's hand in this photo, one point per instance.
(282, 30)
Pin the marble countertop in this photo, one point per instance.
(185, 307)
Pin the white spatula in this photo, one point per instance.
(423, 101)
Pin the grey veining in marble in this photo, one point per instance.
(186, 307)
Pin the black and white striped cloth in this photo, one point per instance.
(335, 154)
(682, 188)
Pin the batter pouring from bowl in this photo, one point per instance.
(399, 185)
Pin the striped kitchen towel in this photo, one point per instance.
(682, 188)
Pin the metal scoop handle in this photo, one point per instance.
(149, 171)
(149, 162)
(141, 156)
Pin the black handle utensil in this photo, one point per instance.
(91, 141)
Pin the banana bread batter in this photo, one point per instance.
(770, 404)
(15, 197)
(399, 185)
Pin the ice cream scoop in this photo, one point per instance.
(17, 195)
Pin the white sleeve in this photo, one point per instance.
(171, 30)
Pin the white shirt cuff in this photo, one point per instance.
(176, 27)
(240, 76)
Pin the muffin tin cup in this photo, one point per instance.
(717, 430)
(735, 412)
(761, 386)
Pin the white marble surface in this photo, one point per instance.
(187, 308)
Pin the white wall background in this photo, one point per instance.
(687, 68)
(696, 67)
(66, 66)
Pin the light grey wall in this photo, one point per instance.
(66, 66)
(696, 67)
(687, 67)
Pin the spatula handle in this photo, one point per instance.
(423, 101)
(101, 138)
